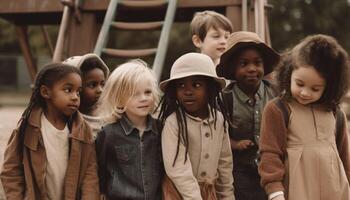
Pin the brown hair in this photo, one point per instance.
(203, 21)
(328, 58)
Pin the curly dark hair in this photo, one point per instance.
(328, 58)
(169, 104)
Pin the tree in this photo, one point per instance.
(290, 21)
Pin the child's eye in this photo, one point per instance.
(78, 93)
(67, 90)
(103, 83)
(148, 92)
(180, 85)
(300, 84)
(197, 85)
(242, 63)
(92, 84)
(259, 62)
(315, 89)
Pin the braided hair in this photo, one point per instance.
(169, 104)
(47, 76)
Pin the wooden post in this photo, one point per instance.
(47, 39)
(57, 56)
(25, 47)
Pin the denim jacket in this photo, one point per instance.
(130, 167)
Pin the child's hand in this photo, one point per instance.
(244, 144)
(279, 197)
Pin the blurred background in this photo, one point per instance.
(288, 22)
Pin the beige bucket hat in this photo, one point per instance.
(238, 40)
(192, 64)
(77, 61)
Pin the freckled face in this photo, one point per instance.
(307, 85)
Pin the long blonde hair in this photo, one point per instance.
(121, 86)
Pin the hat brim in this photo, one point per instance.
(225, 68)
(164, 84)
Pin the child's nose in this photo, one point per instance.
(304, 93)
(75, 96)
(99, 89)
(251, 67)
(188, 91)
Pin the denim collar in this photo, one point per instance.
(128, 127)
(243, 97)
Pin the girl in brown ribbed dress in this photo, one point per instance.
(304, 158)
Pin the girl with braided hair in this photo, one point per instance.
(195, 143)
(51, 154)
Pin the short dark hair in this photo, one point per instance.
(328, 58)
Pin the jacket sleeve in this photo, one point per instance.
(12, 174)
(343, 147)
(224, 185)
(181, 173)
(90, 187)
(273, 139)
(101, 160)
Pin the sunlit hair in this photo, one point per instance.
(203, 21)
(328, 58)
(121, 86)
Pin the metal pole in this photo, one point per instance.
(57, 56)
(103, 36)
(164, 38)
(244, 15)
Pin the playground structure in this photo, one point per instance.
(82, 21)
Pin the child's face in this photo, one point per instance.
(307, 85)
(214, 43)
(249, 68)
(93, 83)
(63, 98)
(191, 92)
(142, 102)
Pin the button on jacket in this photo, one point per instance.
(209, 158)
(23, 174)
(130, 167)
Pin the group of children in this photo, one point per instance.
(89, 135)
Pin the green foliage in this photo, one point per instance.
(290, 21)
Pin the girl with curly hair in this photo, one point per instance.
(303, 156)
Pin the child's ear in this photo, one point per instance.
(45, 92)
(197, 41)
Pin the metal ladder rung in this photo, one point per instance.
(143, 4)
(137, 25)
(126, 53)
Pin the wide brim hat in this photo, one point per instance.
(192, 64)
(77, 61)
(243, 39)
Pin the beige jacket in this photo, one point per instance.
(23, 174)
(209, 157)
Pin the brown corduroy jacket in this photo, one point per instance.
(24, 167)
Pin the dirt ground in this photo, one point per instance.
(9, 117)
